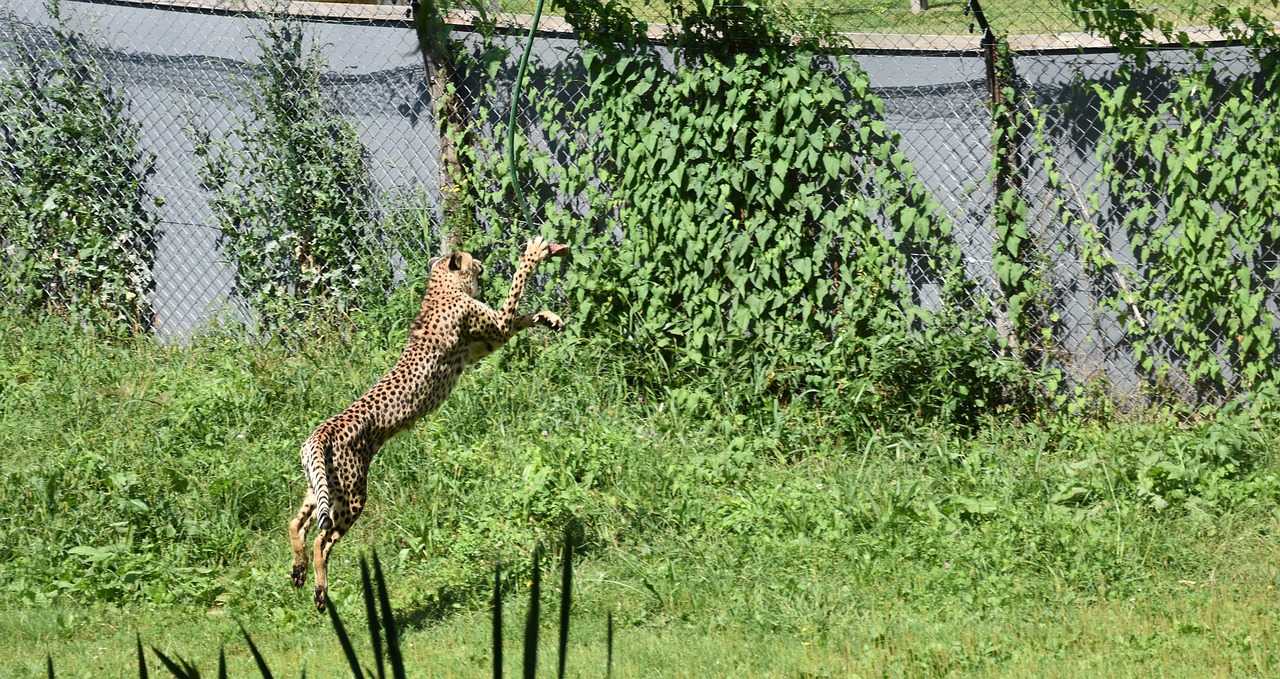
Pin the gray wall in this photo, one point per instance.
(178, 68)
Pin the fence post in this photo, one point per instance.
(999, 75)
(1007, 177)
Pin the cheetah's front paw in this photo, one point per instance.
(548, 319)
(298, 575)
(539, 249)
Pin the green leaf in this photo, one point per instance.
(777, 187)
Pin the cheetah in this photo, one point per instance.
(453, 329)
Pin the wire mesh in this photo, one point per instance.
(183, 68)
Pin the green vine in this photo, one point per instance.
(291, 192)
(752, 216)
(1017, 257)
(79, 228)
(1198, 175)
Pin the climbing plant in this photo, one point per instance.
(291, 191)
(749, 214)
(1017, 255)
(1196, 175)
(79, 226)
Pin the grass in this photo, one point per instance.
(147, 487)
(1224, 628)
(944, 17)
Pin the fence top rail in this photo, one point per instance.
(1067, 41)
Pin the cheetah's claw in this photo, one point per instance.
(539, 249)
(550, 320)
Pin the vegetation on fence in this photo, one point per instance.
(748, 219)
(844, 243)
(1018, 258)
(1183, 184)
(766, 216)
(1183, 174)
(1201, 210)
(79, 226)
(291, 191)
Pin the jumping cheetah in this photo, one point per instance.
(452, 330)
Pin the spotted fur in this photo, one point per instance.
(452, 330)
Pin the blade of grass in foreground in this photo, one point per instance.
(566, 595)
(608, 647)
(257, 657)
(345, 640)
(388, 622)
(142, 658)
(531, 621)
(179, 668)
(497, 622)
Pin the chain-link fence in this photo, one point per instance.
(206, 89)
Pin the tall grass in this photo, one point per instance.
(146, 477)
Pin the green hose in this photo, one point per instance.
(511, 121)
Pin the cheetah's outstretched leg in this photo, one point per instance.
(298, 536)
(324, 545)
(536, 250)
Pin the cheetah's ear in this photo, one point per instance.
(431, 263)
(455, 260)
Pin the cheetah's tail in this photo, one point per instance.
(315, 456)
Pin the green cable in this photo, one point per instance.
(511, 122)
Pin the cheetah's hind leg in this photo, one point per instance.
(298, 537)
(345, 513)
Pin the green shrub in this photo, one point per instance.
(79, 230)
(291, 191)
(747, 220)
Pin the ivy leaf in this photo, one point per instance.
(777, 187)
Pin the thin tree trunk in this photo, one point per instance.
(443, 87)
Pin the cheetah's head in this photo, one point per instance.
(456, 268)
